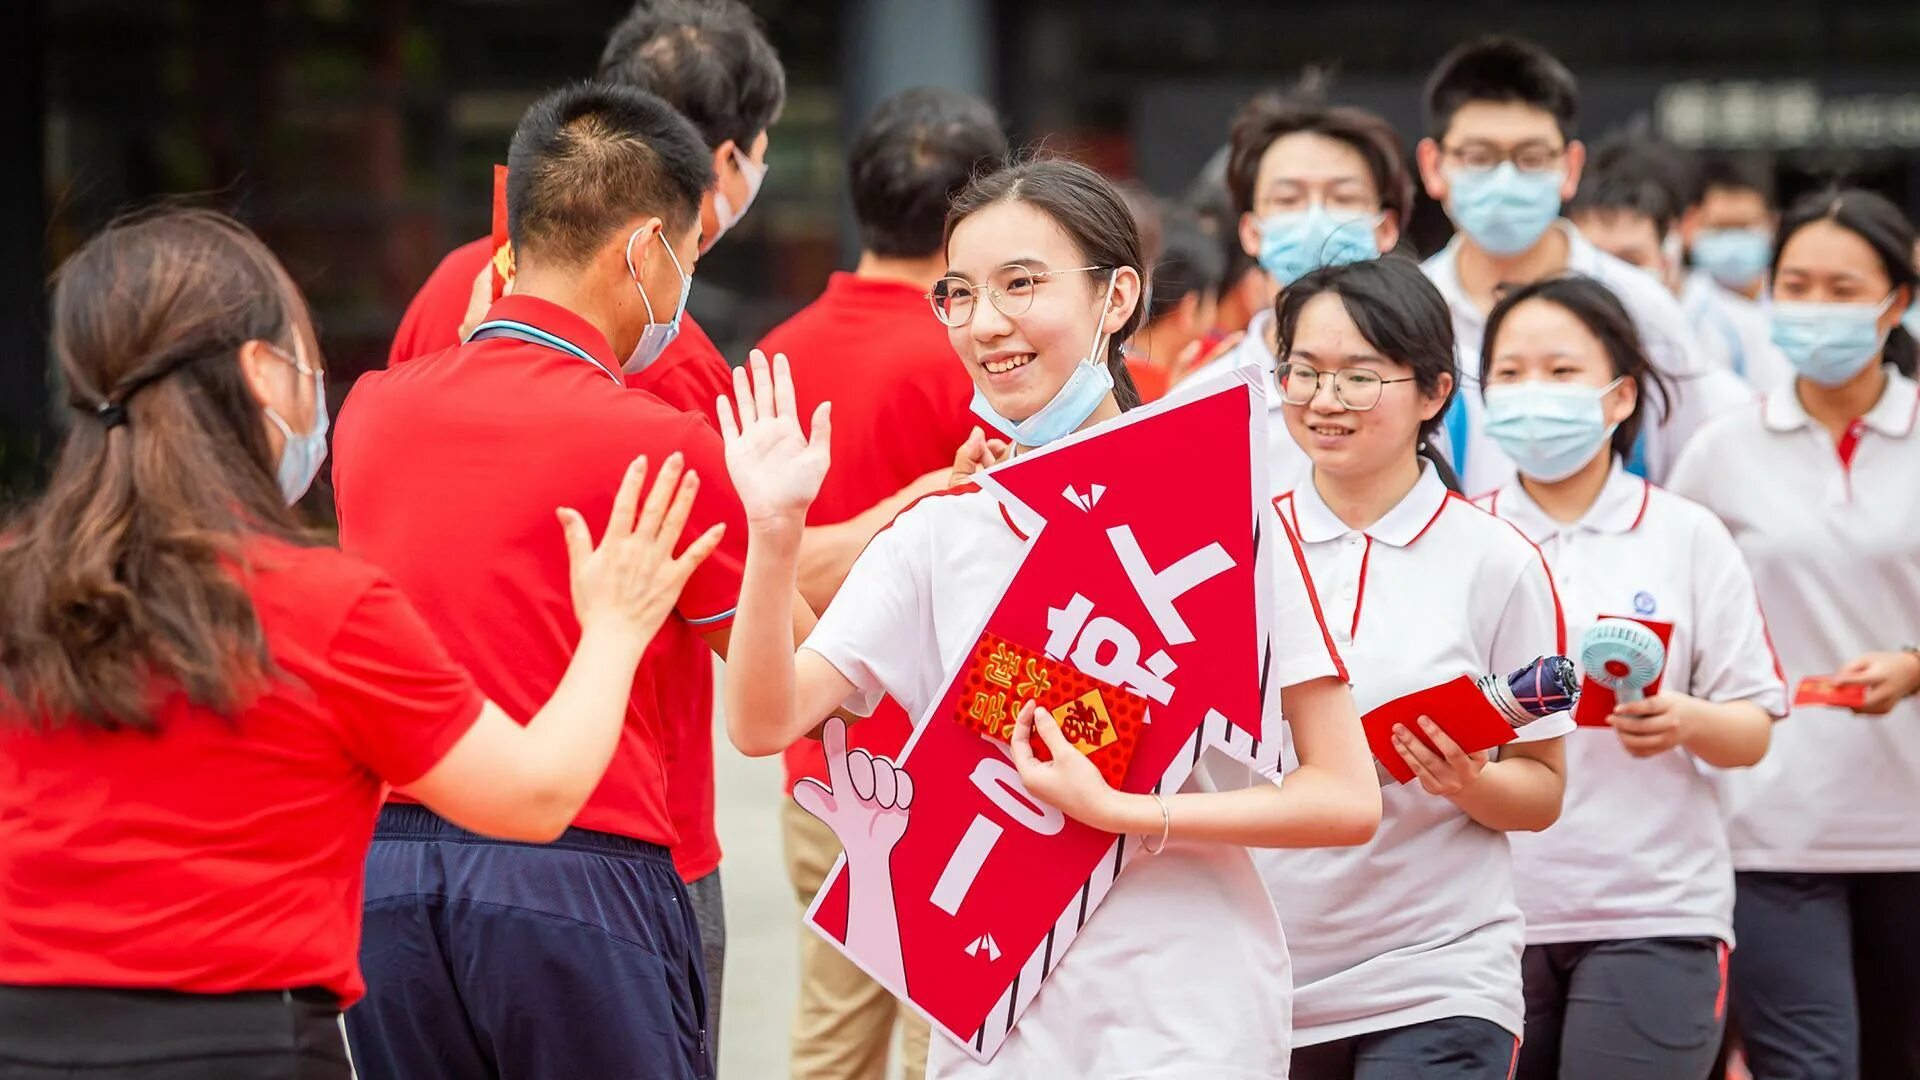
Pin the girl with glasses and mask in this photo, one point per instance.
(1818, 486)
(1629, 897)
(1043, 286)
(201, 709)
(1407, 950)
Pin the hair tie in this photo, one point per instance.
(111, 414)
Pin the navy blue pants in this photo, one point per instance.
(1826, 975)
(1456, 1048)
(575, 960)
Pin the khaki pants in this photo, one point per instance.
(845, 1021)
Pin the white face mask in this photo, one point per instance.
(657, 335)
(723, 208)
(301, 453)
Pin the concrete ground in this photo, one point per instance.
(763, 957)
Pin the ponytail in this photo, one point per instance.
(1902, 351)
(1442, 468)
(1125, 392)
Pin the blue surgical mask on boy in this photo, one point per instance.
(1071, 405)
(1503, 209)
(1829, 343)
(1296, 243)
(1736, 258)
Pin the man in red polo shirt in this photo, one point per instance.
(709, 60)
(871, 345)
(446, 471)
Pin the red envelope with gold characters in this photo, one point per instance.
(1102, 720)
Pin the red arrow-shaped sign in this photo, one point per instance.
(1145, 569)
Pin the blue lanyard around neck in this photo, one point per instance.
(533, 335)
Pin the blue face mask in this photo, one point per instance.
(1294, 244)
(1550, 430)
(657, 335)
(1829, 343)
(1735, 258)
(1910, 322)
(1070, 406)
(1502, 209)
(301, 454)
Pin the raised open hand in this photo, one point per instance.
(776, 468)
(631, 579)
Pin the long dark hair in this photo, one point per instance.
(1091, 211)
(122, 582)
(1601, 312)
(1885, 229)
(1400, 313)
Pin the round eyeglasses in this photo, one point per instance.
(1009, 289)
(1356, 389)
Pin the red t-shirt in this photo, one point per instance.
(689, 375)
(900, 409)
(227, 853)
(447, 471)
(1148, 378)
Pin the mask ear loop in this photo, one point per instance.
(635, 274)
(1100, 324)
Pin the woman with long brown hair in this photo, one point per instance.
(201, 708)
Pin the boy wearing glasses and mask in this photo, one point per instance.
(1500, 156)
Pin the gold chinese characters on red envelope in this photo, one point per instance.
(1103, 721)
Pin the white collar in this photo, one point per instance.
(1619, 509)
(1400, 526)
(1893, 415)
(1444, 270)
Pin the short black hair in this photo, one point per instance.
(1273, 115)
(1501, 69)
(1638, 175)
(590, 157)
(910, 158)
(1604, 316)
(1190, 262)
(1730, 173)
(708, 59)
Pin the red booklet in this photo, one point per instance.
(1102, 720)
(1596, 701)
(1823, 690)
(1460, 708)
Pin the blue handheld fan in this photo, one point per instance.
(1623, 656)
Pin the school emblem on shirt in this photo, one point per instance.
(1643, 603)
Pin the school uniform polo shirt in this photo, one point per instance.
(1831, 530)
(1640, 850)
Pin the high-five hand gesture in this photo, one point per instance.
(632, 580)
(775, 467)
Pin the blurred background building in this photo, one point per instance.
(356, 135)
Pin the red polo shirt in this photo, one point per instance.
(226, 853)
(689, 375)
(900, 409)
(447, 470)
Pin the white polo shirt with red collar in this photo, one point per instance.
(1640, 849)
(1419, 924)
(1832, 533)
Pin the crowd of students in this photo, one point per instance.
(439, 803)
